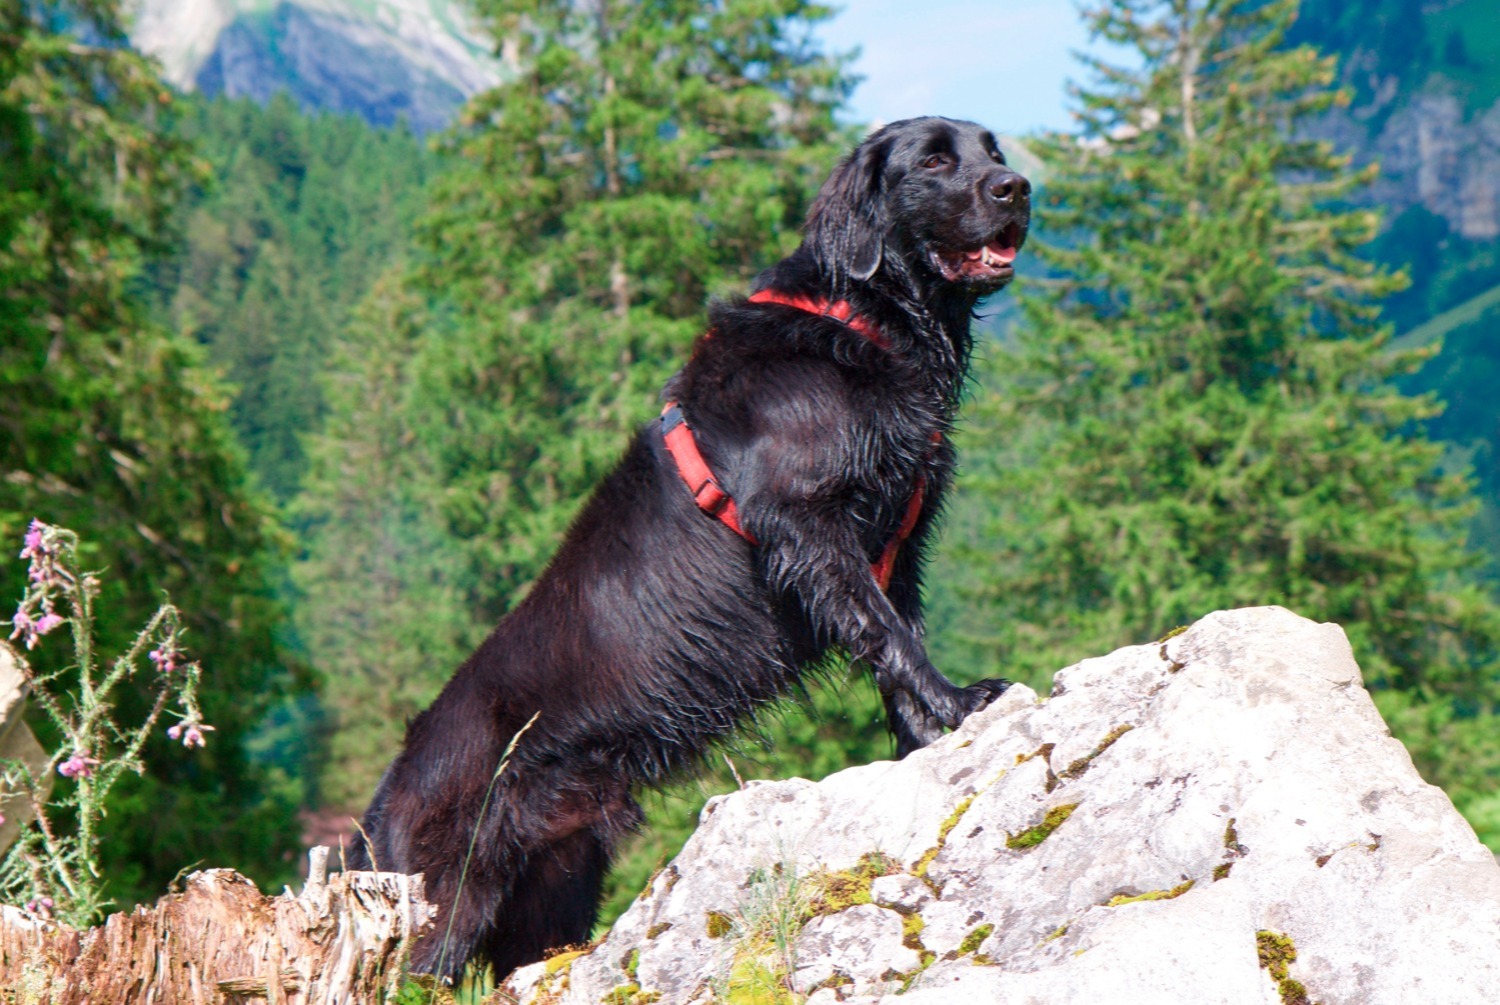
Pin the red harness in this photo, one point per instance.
(710, 495)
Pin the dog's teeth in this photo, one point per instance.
(986, 256)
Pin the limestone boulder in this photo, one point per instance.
(1221, 817)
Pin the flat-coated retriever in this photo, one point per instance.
(796, 472)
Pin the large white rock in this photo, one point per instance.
(1237, 779)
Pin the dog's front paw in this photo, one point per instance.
(942, 700)
(955, 704)
(979, 695)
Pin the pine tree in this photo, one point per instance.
(379, 613)
(1201, 411)
(109, 425)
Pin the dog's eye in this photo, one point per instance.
(997, 157)
(936, 161)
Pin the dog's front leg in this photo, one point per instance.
(909, 722)
(795, 482)
(818, 564)
(912, 726)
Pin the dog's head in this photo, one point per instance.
(930, 197)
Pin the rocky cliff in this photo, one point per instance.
(1218, 818)
(379, 59)
(1424, 76)
(1431, 153)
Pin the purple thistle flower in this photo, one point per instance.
(191, 733)
(25, 627)
(34, 548)
(48, 622)
(80, 765)
(164, 658)
(43, 569)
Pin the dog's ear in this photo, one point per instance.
(848, 222)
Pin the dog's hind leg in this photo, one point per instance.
(554, 900)
(462, 930)
(518, 898)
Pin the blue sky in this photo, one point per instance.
(1002, 63)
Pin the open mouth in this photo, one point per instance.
(988, 262)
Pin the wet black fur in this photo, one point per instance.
(656, 630)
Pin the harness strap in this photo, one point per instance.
(839, 310)
(887, 562)
(710, 496)
(707, 492)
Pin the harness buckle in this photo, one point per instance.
(710, 497)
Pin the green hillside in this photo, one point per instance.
(1469, 34)
(1469, 312)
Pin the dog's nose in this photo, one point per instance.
(1009, 188)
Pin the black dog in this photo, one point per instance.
(725, 553)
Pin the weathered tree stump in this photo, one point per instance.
(222, 942)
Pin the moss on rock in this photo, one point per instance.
(1277, 953)
(718, 924)
(1135, 898)
(1033, 836)
(974, 939)
(1083, 763)
(832, 892)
